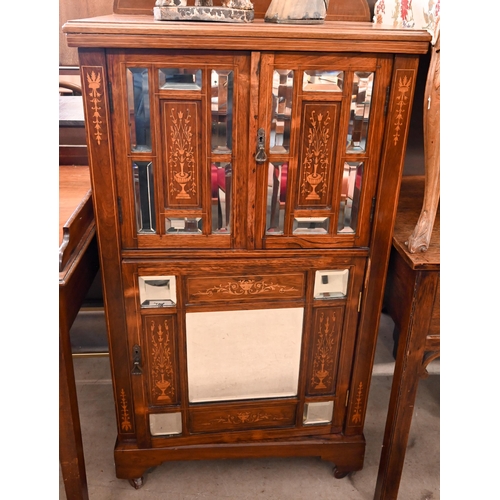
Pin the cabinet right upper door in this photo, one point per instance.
(321, 124)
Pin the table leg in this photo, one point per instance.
(407, 371)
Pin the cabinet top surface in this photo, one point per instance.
(144, 32)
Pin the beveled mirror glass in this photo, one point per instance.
(142, 173)
(222, 176)
(165, 424)
(179, 79)
(362, 89)
(318, 413)
(222, 85)
(281, 118)
(316, 80)
(138, 109)
(331, 284)
(243, 354)
(157, 291)
(277, 175)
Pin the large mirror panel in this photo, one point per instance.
(237, 355)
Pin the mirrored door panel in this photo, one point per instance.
(181, 159)
(317, 185)
(222, 346)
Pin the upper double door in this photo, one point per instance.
(232, 150)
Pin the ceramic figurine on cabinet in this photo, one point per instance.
(230, 11)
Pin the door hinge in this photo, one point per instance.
(359, 301)
(110, 97)
(387, 96)
(120, 212)
(372, 210)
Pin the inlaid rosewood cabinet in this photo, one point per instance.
(245, 181)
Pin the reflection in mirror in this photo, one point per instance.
(179, 79)
(157, 291)
(318, 413)
(316, 80)
(276, 197)
(243, 354)
(331, 284)
(282, 111)
(142, 172)
(165, 424)
(311, 225)
(221, 197)
(138, 109)
(183, 225)
(350, 197)
(222, 111)
(357, 134)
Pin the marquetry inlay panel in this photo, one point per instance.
(404, 84)
(182, 129)
(160, 334)
(213, 289)
(317, 154)
(242, 418)
(125, 413)
(93, 86)
(325, 350)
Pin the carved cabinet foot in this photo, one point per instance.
(137, 483)
(339, 472)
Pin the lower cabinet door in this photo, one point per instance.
(240, 348)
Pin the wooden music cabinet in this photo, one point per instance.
(245, 181)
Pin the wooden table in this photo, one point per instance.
(78, 265)
(412, 301)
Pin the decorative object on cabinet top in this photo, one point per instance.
(339, 10)
(290, 12)
(230, 11)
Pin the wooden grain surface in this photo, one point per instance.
(410, 203)
(74, 184)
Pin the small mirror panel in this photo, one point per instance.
(331, 284)
(183, 225)
(362, 89)
(311, 225)
(165, 424)
(138, 109)
(179, 79)
(318, 413)
(222, 111)
(143, 180)
(315, 80)
(221, 197)
(276, 197)
(157, 291)
(281, 119)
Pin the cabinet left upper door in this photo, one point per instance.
(180, 135)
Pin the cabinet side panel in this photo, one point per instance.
(393, 152)
(99, 143)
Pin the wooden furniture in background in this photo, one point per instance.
(78, 265)
(244, 200)
(412, 301)
(72, 139)
(420, 237)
